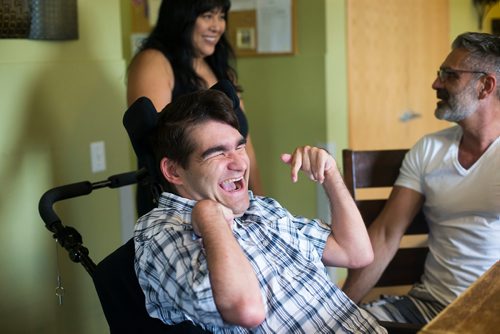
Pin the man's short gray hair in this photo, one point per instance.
(484, 50)
(484, 53)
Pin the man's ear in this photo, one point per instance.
(169, 169)
(489, 85)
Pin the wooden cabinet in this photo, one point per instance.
(394, 50)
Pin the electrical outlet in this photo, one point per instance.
(97, 156)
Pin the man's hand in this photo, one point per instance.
(235, 287)
(314, 161)
(209, 211)
(349, 246)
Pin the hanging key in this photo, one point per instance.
(59, 290)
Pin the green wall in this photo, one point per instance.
(285, 103)
(55, 99)
(58, 97)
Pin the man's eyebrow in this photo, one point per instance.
(220, 148)
(212, 150)
(242, 141)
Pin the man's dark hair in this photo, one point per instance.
(175, 122)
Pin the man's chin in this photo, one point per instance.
(240, 208)
(441, 113)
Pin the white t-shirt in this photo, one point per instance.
(462, 207)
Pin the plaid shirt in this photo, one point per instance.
(285, 252)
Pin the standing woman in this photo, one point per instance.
(186, 51)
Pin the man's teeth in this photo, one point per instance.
(230, 184)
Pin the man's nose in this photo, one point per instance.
(238, 161)
(437, 84)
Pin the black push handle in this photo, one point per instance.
(50, 197)
(45, 205)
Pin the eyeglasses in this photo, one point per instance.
(446, 73)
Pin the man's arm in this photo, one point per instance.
(348, 245)
(234, 284)
(385, 235)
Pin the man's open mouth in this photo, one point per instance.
(232, 184)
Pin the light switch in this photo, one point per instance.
(97, 156)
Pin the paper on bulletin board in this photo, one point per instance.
(136, 40)
(274, 26)
(262, 27)
(238, 5)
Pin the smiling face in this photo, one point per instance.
(218, 168)
(207, 31)
(458, 92)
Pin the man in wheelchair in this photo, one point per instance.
(214, 254)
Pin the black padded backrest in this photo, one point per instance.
(122, 299)
(229, 89)
(380, 168)
(140, 120)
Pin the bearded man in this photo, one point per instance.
(454, 175)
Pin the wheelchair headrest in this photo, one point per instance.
(140, 120)
(227, 88)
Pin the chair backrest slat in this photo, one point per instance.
(372, 169)
(378, 169)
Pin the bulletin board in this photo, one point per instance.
(143, 15)
(262, 27)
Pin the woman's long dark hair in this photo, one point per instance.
(172, 36)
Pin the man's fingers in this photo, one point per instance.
(290, 159)
(285, 157)
(296, 164)
(320, 167)
(313, 161)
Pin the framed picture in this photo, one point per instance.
(262, 27)
(245, 38)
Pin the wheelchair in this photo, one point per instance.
(114, 278)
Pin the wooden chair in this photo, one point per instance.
(379, 169)
(376, 169)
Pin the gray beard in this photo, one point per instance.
(446, 113)
(458, 107)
